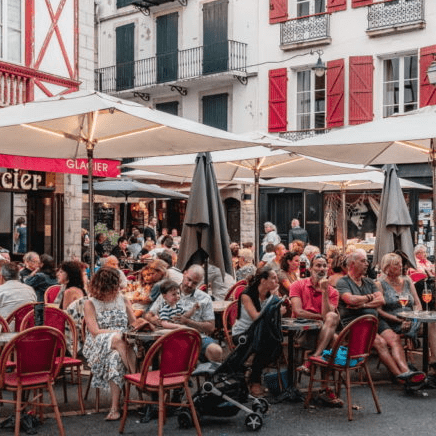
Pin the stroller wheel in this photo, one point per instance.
(253, 421)
(260, 405)
(184, 419)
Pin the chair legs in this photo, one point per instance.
(56, 410)
(193, 411)
(97, 394)
(125, 408)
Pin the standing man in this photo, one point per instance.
(297, 232)
(149, 231)
(360, 296)
(203, 319)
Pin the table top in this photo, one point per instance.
(420, 315)
(147, 336)
(7, 337)
(220, 306)
(300, 324)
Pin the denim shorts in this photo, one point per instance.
(205, 342)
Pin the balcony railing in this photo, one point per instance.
(395, 13)
(185, 64)
(14, 84)
(302, 29)
(297, 135)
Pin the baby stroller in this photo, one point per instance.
(225, 390)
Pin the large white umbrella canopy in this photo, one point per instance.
(254, 162)
(91, 124)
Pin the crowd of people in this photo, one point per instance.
(333, 288)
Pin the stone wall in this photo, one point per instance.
(72, 216)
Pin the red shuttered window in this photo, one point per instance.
(427, 95)
(335, 93)
(278, 11)
(277, 103)
(360, 3)
(361, 89)
(336, 5)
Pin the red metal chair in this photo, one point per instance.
(4, 326)
(60, 320)
(51, 293)
(359, 337)
(231, 291)
(178, 352)
(18, 314)
(229, 318)
(37, 350)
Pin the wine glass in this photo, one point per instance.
(426, 296)
(404, 299)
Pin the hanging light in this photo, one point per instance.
(431, 73)
(319, 67)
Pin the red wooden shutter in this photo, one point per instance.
(335, 93)
(278, 11)
(277, 104)
(427, 94)
(360, 3)
(361, 89)
(336, 5)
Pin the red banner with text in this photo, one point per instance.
(101, 167)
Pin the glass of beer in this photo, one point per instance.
(404, 299)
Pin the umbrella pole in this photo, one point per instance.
(344, 220)
(90, 152)
(256, 216)
(433, 168)
(125, 217)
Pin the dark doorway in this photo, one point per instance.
(215, 38)
(167, 47)
(215, 110)
(125, 56)
(233, 218)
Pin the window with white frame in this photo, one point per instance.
(11, 30)
(400, 85)
(310, 100)
(310, 7)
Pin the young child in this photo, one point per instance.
(171, 294)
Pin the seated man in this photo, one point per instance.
(314, 298)
(13, 293)
(113, 262)
(360, 296)
(202, 320)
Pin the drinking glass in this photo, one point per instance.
(426, 296)
(404, 299)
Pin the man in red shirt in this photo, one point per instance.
(314, 298)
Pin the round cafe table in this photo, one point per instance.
(426, 318)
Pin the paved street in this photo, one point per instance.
(401, 414)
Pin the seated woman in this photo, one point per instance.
(423, 265)
(245, 263)
(70, 277)
(43, 277)
(338, 268)
(107, 315)
(289, 272)
(250, 305)
(394, 286)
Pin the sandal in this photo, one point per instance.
(330, 398)
(113, 415)
(304, 368)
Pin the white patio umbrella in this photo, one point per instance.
(371, 180)
(91, 124)
(252, 162)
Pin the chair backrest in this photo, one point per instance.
(179, 351)
(36, 350)
(230, 292)
(51, 293)
(203, 287)
(56, 318)
(4, 326)
(18, 314)
(238, 291)
(229, 318)
(358, 336)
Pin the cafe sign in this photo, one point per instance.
(17, 180)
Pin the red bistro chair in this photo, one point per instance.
(51, 293)
(4, 326)
(359, 337)
(39, 353)
(18, 315)
(231, 291)
(178, 352)
(58, 319)
(229, 318)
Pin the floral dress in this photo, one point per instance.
(106, 364)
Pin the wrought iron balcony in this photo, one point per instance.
(307, 29)
(297, 135)
(228, 56)
(395, 15)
